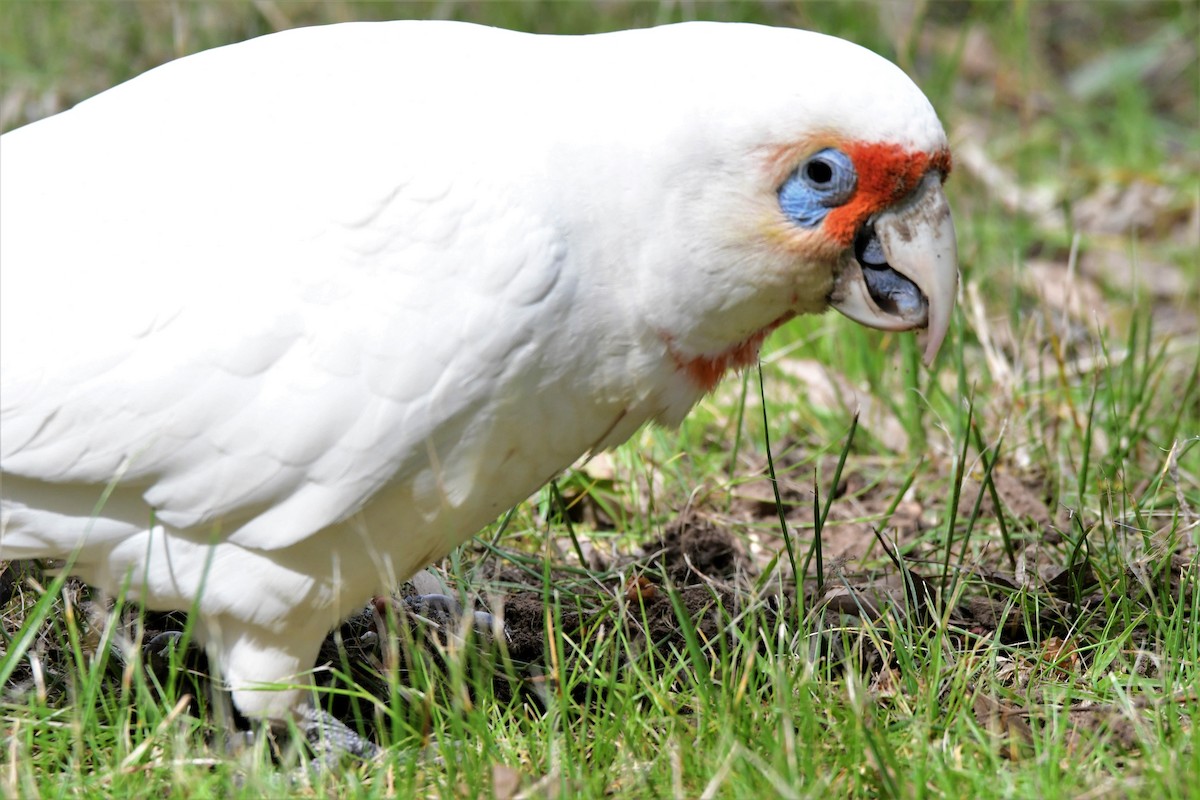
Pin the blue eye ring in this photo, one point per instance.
(825, 180)
(830, 173)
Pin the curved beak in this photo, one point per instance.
(904, 273)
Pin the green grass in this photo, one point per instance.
(1042, 483)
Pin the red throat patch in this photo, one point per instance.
(706, 371)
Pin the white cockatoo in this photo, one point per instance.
(286, 320)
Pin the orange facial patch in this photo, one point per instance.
(886, 174)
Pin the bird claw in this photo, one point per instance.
(156, 653)
(332, 740)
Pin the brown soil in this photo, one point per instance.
(689, 593)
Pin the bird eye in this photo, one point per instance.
(826, 180)
(831, 173)
(818, 172)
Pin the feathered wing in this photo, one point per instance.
(260, 383)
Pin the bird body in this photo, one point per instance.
(286, 320)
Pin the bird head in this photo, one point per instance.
(879, 208)
(804, 173)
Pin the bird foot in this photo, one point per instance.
(329, 738)
(332, 740)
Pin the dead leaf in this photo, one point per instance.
(1006, 723)
(1061, 655)
(1109, 723)
(988, 614)
(506, 782)
(870, 601)
(1123, 269)
(886, 683)
(1121, 209)
(1023, 501)
(1073, 294)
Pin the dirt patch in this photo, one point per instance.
(687, 594)
(688, 584)
(1024, 498)
(693, 549)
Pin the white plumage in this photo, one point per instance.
(283, 321)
